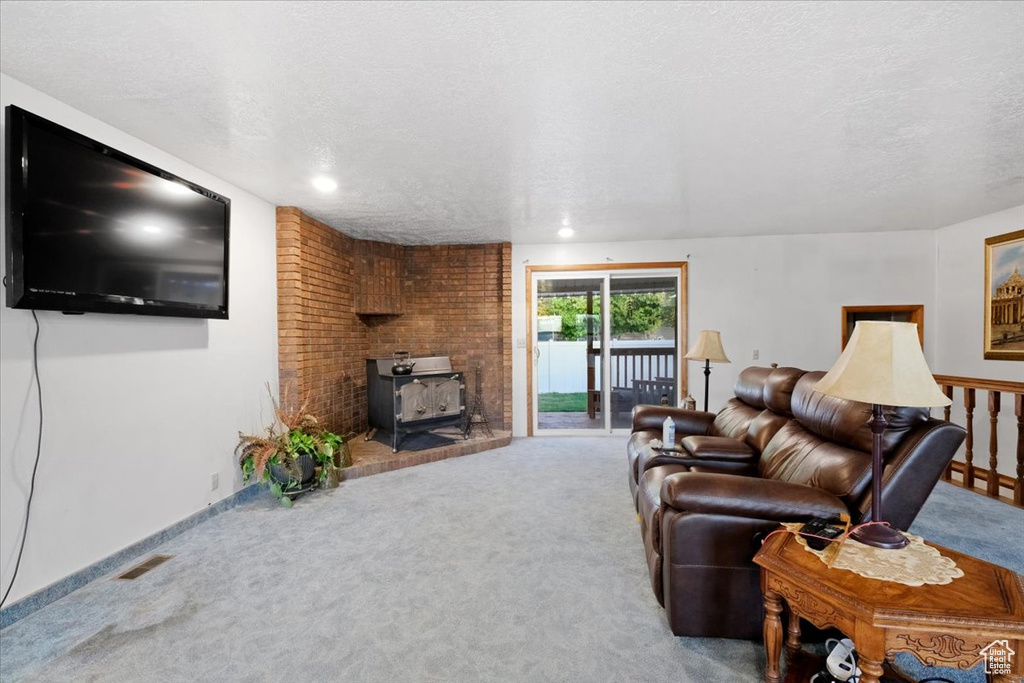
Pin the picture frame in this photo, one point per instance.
(1004, 296)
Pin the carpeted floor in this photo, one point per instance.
(519, 564)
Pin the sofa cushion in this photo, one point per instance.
(778, 390)
(749, 387)
(763, 428)
(733, 419)
(798, 456)
(846, 422)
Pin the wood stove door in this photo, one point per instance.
(414, 401)
(447, 396)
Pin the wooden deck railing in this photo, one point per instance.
(629, 365)
(970, 474)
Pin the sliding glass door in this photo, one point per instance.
(602, 342)
(643, 349)
(567, 351)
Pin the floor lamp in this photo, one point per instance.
(707, 348)
(882, 365)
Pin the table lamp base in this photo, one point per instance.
(880, 536)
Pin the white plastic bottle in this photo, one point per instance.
(668, 434)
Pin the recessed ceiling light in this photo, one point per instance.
(152, 229)
(325, 184)
(566, 232)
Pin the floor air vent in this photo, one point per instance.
(140, 569)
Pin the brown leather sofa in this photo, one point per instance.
(778, 451)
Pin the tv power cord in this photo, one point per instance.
(841, 665)
(35, 465)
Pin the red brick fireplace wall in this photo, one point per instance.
(342, 300)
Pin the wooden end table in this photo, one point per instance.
(946, 625)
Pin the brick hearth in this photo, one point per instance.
(373, 457)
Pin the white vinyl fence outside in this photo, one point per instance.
(562, 365)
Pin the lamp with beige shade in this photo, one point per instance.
(882, 365)
(707, 348)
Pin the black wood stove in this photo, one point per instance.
(431, 396)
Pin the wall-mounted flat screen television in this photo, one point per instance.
(92, 229)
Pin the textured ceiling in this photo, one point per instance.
(465, 122)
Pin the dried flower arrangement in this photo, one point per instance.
(295, 454)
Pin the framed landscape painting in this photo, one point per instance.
(1004, 296)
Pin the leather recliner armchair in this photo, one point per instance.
(804, 454)
(730, 422)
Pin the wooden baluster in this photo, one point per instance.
(969, 442)
(993, 444)
(947, 389)
(1018, 483)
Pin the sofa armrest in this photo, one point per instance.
(653, 457)
(739, 496)
(912, 471)
(687, 421)
(718, 448)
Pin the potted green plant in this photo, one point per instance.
(295, 455)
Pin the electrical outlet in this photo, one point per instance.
(521, 343)
(214, 481)
(757, 354)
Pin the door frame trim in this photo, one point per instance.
(682, 343)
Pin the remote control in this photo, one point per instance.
(820, 527)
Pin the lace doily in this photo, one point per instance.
(915, 565)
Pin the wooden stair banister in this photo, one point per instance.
(969, 443)
(1018, 485)
(948, 391)
(994, 482)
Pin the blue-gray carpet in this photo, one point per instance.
(518, 564)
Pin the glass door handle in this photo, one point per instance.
(536, 352)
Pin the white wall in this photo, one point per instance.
(139, 411)
(960, 305)
(781, 295)
(960, 293)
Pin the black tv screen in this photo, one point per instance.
(90, 228)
